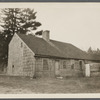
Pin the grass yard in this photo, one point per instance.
(39, 85)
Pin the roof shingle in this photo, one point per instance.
(55, 48)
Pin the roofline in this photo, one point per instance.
(93, 60)
(57, 57)
(25, 43)
(11, 39)
(48, 56)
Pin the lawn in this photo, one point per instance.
(39, 85)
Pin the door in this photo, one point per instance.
(81, 68)
(46, 69)
(57, 69)
(80, 63)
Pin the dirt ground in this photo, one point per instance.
(18, 85)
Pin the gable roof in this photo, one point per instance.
(54, 48)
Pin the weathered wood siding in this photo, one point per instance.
(72, 68)
(63, 71)
(95, 69)
(28, 62)
(40, 72)
(21, 61)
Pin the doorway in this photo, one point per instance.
(57, 69)
(46, 69)
(81, 64)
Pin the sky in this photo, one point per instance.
(75, 23)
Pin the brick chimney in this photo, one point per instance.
(46, 35)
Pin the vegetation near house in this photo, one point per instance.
(39, 32)
(91, 51)
(20, 20)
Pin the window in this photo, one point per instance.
(12, 68)
(80, 63)
(45, 65)
(21, 44)
(64, 64)
(72, 66)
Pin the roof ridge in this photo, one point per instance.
(43, 39)
(67, 43)
(60, 41)
(54, 48)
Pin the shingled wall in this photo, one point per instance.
(28, 62)
(21, 61)
(40, 72)
(68, 70)
(95, 69)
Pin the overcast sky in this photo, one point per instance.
(75, 23)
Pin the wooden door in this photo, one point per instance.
(46, 69)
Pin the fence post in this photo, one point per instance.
(87, 70)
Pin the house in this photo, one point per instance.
(33, 56)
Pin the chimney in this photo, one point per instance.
(45, 35)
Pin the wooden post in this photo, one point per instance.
(87, 70)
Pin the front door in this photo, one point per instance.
(80, 63)
(57, 72)
(46, 69)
